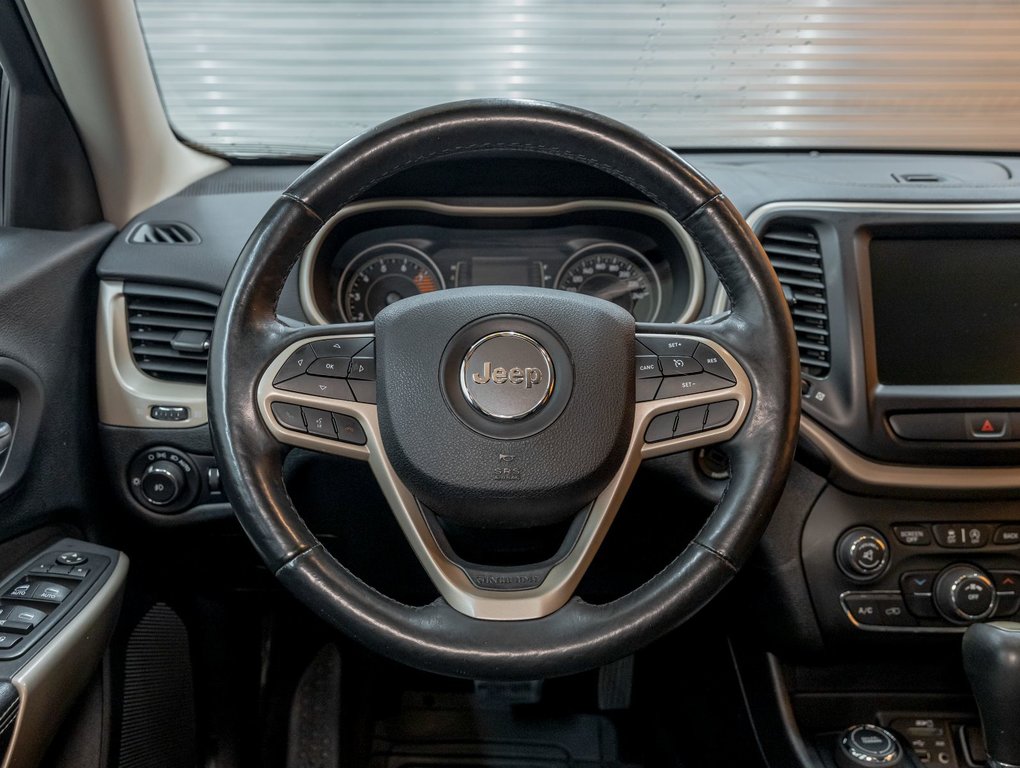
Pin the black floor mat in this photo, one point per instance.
(458, 732)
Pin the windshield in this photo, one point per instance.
(269, 78)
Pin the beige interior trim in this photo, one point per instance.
(50, 682)
(99, 59)
(126, 395)
(880, 475)
(451, 581)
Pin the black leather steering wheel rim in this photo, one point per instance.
(758, 332)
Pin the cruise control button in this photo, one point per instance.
(720, 414)
(713, 363)
(668, 345)
(319, 422)
(660, 428)
(348, 347)
(333, 367)
(961, 536)
(362, 368)
(288, 416)
(690, 420)
(50, 592)
(645, 389)
(1007, 534)
(335, 389)
(679, 366)
(646, 367)
(364, 391)
(912, 535)
(296, 364)
(348, 429)
(677, 386)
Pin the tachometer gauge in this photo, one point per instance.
(381, 275)
(616, 273)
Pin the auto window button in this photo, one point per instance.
(24, 613)
(15, 627)
(49, 592)
(8, 641)
(23, 590)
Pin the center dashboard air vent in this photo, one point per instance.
(170, 330)
(794, 249)
(164, 233)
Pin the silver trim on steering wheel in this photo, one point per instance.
(448, 577)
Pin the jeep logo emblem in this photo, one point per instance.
(507, 375)
(529, 377)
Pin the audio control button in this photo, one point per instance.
(862, 553)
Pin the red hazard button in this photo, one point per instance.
(985, 426)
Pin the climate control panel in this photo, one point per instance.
(883, 565)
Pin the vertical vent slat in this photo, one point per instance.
(795, 252)
(156, 316)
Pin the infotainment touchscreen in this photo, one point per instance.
(946, 311)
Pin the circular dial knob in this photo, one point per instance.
(868, 745)
(862, 553)
(162, 483)
(964, 594)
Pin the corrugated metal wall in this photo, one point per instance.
(260, 76)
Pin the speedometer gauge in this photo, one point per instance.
(381, 275)
(616, 273)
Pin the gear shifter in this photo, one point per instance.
(991, 658)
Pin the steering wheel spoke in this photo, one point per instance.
(318, 392)
(690, 389)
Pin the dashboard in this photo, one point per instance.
(373, 254)
(904, 300)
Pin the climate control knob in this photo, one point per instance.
(964, 594)
(162, 483)
(862, 553)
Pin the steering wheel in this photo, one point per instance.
(497, 408)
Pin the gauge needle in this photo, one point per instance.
(611, 292)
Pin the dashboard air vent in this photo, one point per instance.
(164, 233)
(795, 253)
(170, 330)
